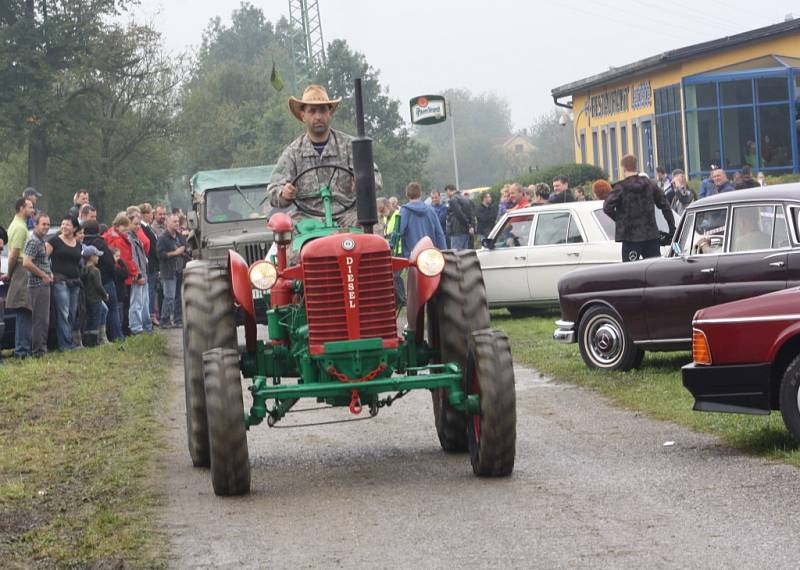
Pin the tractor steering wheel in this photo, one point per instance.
(339, 205)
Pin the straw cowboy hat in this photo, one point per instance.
(313, 95)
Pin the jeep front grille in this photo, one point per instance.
(253, 252)
(327, 302)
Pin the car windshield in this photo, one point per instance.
(231, 204)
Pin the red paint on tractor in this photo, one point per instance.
(349, 290)
(420, 288)
(242, 290)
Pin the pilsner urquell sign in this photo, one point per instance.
(428, 110)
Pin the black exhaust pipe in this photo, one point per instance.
(364, 169)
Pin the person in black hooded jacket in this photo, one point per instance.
(631, 205)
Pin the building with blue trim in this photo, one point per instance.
(733, 101)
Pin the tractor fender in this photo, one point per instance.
(243, 296)
(420, 287)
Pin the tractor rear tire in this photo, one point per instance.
(230, 461)
(458, 308)
(208, 322)
(492, 434)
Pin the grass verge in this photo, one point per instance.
(656, 389)
(78, 435)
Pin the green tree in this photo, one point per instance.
(121, 148)
(233, 116)
(42, 44)
(481, 124)
(400, 158)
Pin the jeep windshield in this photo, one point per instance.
(236, 204)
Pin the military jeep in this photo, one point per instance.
(229, 212)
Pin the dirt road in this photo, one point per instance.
(594, 487)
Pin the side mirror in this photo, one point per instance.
(191, 219)
(488, 243)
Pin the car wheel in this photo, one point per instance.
(790, 398)
(604, 343)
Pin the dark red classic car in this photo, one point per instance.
(747, 357)
(727, 247)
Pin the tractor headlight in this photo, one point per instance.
(263, 275)
(430, 262)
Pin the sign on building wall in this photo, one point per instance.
(428, 110)
(637, 96)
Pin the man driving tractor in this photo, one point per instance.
(319, 145)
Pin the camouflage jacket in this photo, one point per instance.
(299, 156)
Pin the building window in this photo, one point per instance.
(702, 135)
(604, 138)
(635, 139)
(517, 148)
(669, 127)
(775, 138)
(595, 150)
(583, 147)
(623, 135)
(646, 163)
(750, 122)
(614, 157)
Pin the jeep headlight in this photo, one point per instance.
(430, 262)
(263, 275)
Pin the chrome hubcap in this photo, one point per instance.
(605, 342)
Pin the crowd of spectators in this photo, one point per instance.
(81, 283)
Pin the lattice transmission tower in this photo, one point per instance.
(304, 17)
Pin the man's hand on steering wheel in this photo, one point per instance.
(289, 192)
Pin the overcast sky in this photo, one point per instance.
(519, 50)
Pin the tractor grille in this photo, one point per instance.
(253, 252)
(326, 301)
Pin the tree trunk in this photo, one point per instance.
(37, 159)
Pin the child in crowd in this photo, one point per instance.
(96, 296)
(120, 276)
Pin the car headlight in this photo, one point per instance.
(430, 262)
(263, 275)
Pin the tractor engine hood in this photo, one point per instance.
(229, 241)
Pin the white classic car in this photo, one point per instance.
(530, 249)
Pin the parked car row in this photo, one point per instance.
(727, 288)
(727, 247)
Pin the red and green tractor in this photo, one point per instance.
(333, 336)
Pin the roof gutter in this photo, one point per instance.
(560, 104)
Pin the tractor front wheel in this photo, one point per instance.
(206, 299)
(458, 308)
(230, 462)
(492, 434)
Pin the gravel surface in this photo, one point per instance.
(593, 487)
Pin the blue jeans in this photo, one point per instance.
(65, 303)
(463, 241)
(171, 309)
(168, 304)
(96, 314)
(23, 329)
(113, 323)
(139, 312)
